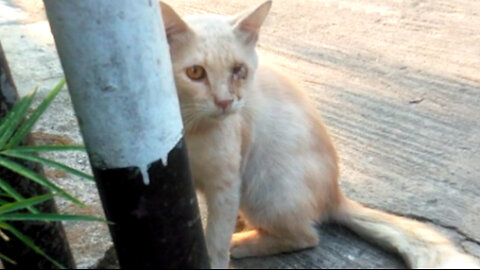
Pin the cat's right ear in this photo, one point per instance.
(174, 25)
(248, 23)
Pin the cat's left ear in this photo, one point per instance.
(247, 24)
(174, 25)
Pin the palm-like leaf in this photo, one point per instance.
(13, 119)
(14, 127)
(19, 205)
(7, 259)
(50, 217)
(28, 242)
(49, 148)
(40, 179)
(30, 157)
(25, 128)
(15, 195)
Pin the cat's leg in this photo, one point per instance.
(283, 205)
(259, 242)
(222, 203)
(242, 224)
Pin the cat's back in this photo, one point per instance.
(285, 118)
(276, 85)
(290, 146)
(278, 96)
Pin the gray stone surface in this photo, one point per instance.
(397, 83)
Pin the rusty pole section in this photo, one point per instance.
(50, 237)
(118, 69)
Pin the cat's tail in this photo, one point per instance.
(419, 245)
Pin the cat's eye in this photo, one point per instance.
(196, 73)
(240, 71)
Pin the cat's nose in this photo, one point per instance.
(223, 103)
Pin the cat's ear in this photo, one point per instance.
(248, 23)
(174, 25)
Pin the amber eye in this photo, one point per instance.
(196, 73)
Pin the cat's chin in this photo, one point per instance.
(221, 115)
(207, 122)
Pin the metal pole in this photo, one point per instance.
(117, 64)
(50, 237)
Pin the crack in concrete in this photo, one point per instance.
(464, 236)
(473, 242)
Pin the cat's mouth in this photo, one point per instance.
(222, 114)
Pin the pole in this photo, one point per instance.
(50, 237)
(118, 69)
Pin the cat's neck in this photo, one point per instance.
(206, 125)
(200, 126)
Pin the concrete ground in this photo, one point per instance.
(397, 82)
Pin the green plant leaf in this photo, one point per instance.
(22, 155)
(18, 205)
(13, 119)
(2, 202)
(16, 108)
(40, 179)
(51, 217)
(28, 242)
(7, 259)
(28, 124)
(49, 148)
(12, 192)
(5, 195)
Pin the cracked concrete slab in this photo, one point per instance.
(396, 82)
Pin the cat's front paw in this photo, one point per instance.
(240, 251)
(219, 260)
(219, 263)
(242, 245)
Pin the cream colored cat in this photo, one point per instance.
(258, 148)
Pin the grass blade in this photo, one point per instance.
(5, 195)
(40, 179)
(15, 110)
(2, 201)
(51, 217)
(28, 242)
(18, 205)
(49, 148)
(28, 124)
(12, 192)
(15, 154)
(7, 259)
(14, 118)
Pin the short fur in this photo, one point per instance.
(267, 156)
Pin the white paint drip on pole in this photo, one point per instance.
(116, 60)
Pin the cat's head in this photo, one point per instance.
(214, 60)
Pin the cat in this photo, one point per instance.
(258, 148)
